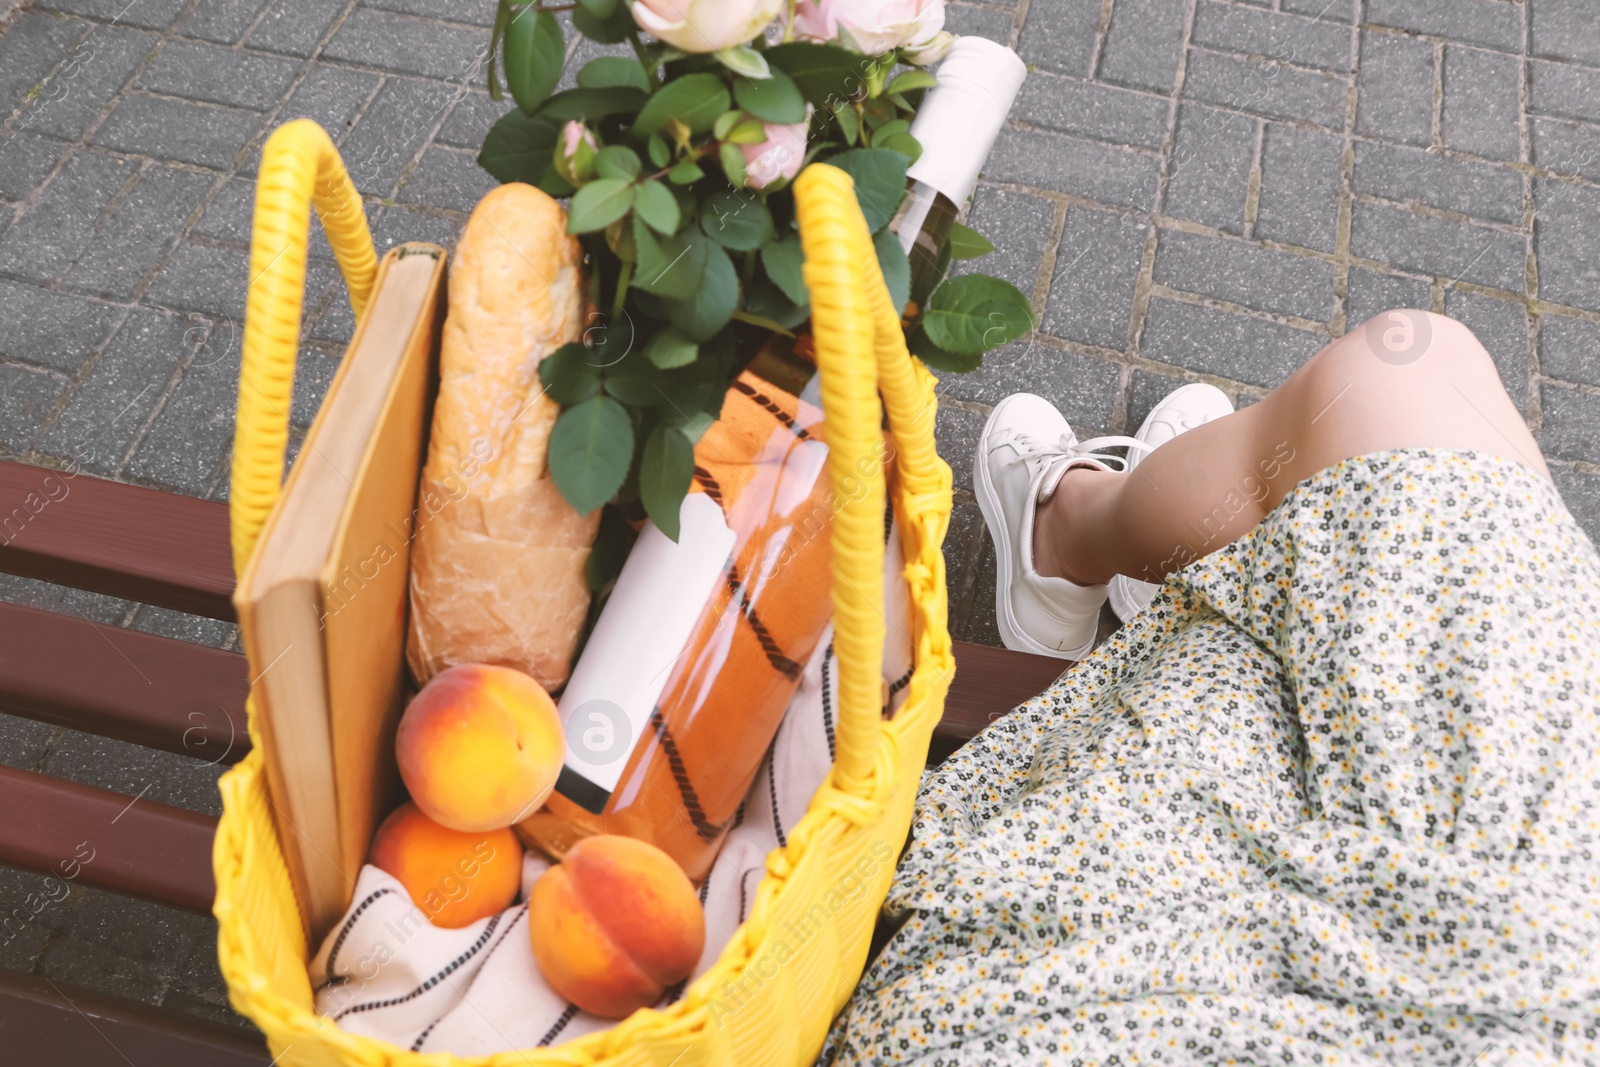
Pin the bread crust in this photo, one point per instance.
(498, 569)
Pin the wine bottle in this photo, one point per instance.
(686, 676)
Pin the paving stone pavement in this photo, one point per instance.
(1190, 190)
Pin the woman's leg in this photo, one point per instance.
(1405, 379)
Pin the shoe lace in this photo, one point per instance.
(1047, 460)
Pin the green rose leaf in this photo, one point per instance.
(599, 204)
(938, 358)
(750, 131)
(655, 204)
(880, 177)
(660, 152)
(694, 100)
(669, 267)
(742, 59)
(711, 305)
(613, 28)
(567, 375)
(591, 447)
(686, 173)
(665, 470)
(732, 160)
(849, 122)
(617, 161)
(774, 99)
(766, 301)
(600, 9)
(633, 380)
(911, 79)
(783, 260)
(610, 551)
(740, 222)
(903, 143)
(967, 243)
(824, 74)
(534, 52)
(971, 314)
(609, 72)
(895, 266)
(591, 104)
(671, 347)
(518, 148)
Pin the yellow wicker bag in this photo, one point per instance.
(788, 970)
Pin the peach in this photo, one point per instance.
(480, 747)
(456, 878)
(614, 924)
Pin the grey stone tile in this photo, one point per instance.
(962, 544)
(1482, 103)
(1265, 88)
(56, 330)
(1489, 23)
(190, 437)
(1326, 10)
(1370, 293)
(77, 94)
(197, 985)
(129, 953)
(1301, 176)
(1305, 42)
(1096, 268)
(1570, 349)
(1394, 89)
(217, 75)
(1084, 388)
(105, 610)
(330, 96)
(46, 238)
(317, 365)
(27, 396)
(182, 627)
(1060, 36)
(1212, 155)
(398, 224)
(227, 217)
(223, 21)
(26, 160)
(1143, 44)
(1146, 389)
(1262, 279)
(447, 177)
(1571, 423)
(1566, 240)
(474, 113)
(1580, 491)
(393, 129)
(1568, 148)
(474, 12)
(145, 224)
(30, 49)
(1564, 90)
(956, 431)
(395, 42)
(294, 27)
(1411, 174)
(979, 626)
(127, 382)
(1229, 345)
(979, 20)
(1566, 29)
(1502, 328)
(178, 130)
(148, 14)
(1453, 250)
(204, 278)
(1018, 225)
(1071, 165)
(22, 745)
(1090, 109)
(32, 909)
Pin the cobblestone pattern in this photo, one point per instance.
(1190, 190)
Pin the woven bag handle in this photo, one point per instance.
(300, 168)
(861, 352)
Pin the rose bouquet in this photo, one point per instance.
(678, 161)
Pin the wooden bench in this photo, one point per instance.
(173, 552)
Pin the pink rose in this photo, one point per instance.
(779, 156)
(873, 26)
(575, 155)
(705, 25)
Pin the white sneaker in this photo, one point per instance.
(1025, 449)
(1181, 410)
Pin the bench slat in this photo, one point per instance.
(124, 684)
(122, 540)
(128, 845)
(47, 1024)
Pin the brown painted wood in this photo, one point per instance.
(989, 682)
(44, 1023)
(109, 840)
(132, 686)
(123, 540)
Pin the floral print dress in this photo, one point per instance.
(1334, 797)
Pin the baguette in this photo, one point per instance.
(497, 572)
